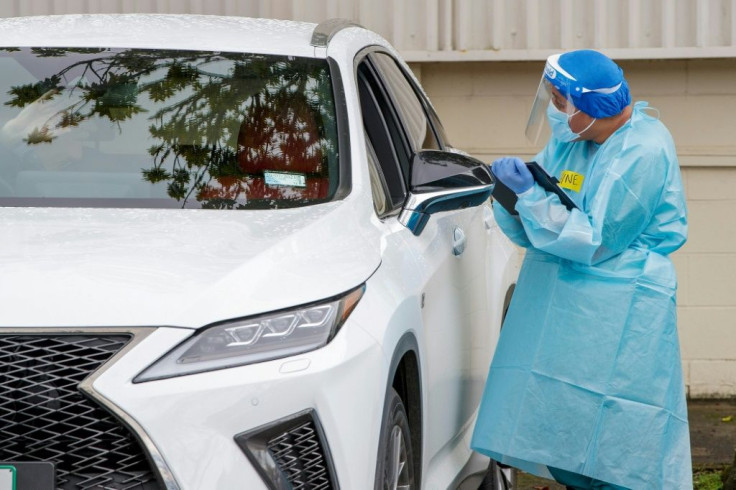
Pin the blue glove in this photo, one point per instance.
(513, 173)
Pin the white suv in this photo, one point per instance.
(236, 253)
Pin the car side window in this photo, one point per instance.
(412, 110)
(439, 129)
(384, 136)
(379, 188)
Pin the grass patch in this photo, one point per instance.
(705, 477)
(707, 480)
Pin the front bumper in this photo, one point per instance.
(192, 420)
(291, 453)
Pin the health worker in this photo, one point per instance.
(586, 383)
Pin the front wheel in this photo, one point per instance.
(395, 457)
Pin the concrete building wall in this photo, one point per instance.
(484, 106)
(476, 30)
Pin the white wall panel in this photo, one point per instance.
(465, 30)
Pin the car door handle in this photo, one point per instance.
(458, 241)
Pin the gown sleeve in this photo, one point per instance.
(511, 226)
(618, 207)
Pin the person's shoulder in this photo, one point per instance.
(645, 143)
(647, 134)
(646, 120)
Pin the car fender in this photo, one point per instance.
(407, 344)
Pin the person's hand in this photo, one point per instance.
(513, 173)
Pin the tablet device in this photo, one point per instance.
(507, 198)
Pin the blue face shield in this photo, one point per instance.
(581, 80)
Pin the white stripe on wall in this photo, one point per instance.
(475, 29)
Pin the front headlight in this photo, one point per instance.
(256, 339)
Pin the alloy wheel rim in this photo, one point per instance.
(397, 471)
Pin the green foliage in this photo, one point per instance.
(39, 135)
(707, 480)
(284, 111)
(23, 95)
(70, 119)
(156, 174)
(60, 52)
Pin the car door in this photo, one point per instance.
(450, 255)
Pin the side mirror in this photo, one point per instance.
(443, 181)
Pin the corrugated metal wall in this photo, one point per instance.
(477, 29)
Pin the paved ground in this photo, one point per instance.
(712, 440)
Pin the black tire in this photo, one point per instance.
(498, 477)
(395, 466)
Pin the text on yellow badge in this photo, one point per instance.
(571, 180)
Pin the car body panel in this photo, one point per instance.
(192, 268)
(445, 298)
(161, 31)
(134, 267)
(192, 419)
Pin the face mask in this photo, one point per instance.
(560, 124)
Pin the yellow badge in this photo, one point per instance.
(571, 180)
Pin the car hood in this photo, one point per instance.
(189, 268)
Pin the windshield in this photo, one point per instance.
(158, 128)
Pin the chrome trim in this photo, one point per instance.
(325, 30)
(418, 207)
(138, 334)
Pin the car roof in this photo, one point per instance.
(161, 31)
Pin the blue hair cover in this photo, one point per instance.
(595, 71)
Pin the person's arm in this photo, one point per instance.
(511, 226)
(620, 208)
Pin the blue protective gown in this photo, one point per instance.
(587, 376)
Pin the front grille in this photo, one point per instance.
(299, 455)
(44, 416)
(291, 453)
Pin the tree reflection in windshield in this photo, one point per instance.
(224, 130)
